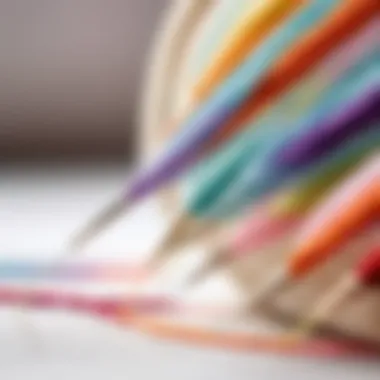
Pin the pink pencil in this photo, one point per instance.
(104, 307)
(252, 234)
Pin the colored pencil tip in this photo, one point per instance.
(166, 247)
(216, 262)
(105, 217)
(307, 327)
(277, 280)
(326, 307)
(178, 234)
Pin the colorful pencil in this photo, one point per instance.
(264, 175)
(223, 170)
(248, 341)
(211, 36)
(349, 209)
(359, 115)
(101, 306)
(352, 63)
(72, 272)
(284, 212)
(153, 316)
(254, 27)
(365, 274)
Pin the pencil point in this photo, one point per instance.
(98, 223)
(278, 279)
(217, 260)
(307, 327)
(171, 241)
(326, 307)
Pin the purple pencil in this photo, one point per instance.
(362, 114)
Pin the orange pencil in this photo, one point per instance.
(349, 210)
(245, 37)
(248, 341)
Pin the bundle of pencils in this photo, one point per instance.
(277, 154)
(293, 47)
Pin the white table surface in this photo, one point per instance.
(39, 208)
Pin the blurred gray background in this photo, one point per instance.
(70, 74)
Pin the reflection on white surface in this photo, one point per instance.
(39, 209)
